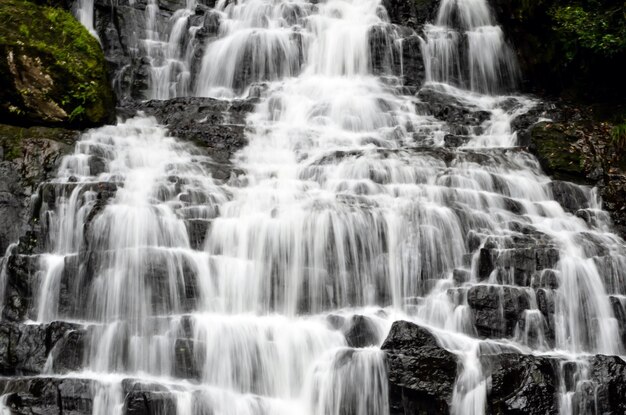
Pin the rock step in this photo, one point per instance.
(422, 376)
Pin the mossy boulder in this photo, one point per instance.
(556, 149)
(52, 70)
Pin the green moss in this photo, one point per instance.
(68, 52)
(555, 149)
(12, 138)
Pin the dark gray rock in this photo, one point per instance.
(215, 125)
(411, 13)
(421, 373)
(25, 348)
(48, 396)
(447, 108)
(186, 365)
(362, 332)
(609, 375)
(147, 399)
(570, 196)
(521, 384)
(28, 156)
(497, 310)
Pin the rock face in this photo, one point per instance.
(421, 373)
(28, 157)
(576, 147)
(422, 377)
(24, 349)
(48, 395)
(52, 69)
(411, 13)
(215, 125)
(521, 384)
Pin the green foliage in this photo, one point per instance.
(598, 27)
(71, 55)
(618, 136)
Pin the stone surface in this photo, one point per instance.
(362, 332)
(421, 373)
(411, 13)
(28, 157)
(521, 384)
(216, 126)
(25, 348)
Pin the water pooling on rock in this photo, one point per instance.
(352, 207)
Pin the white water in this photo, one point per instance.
(466, 47)
(348, 208)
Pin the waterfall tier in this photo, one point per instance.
(364, 235)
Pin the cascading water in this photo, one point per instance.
(465, 47)
(350, 205)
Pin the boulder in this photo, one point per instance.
(52, 70)
(421, 373)
(556, 151)
(521, 384)
(362, 332)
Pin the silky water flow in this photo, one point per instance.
(345, 208)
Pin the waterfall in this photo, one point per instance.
(349, 204)
(466, 47)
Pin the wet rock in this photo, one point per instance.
(186, 364)
(69, 352)
(454, 141)
(497, 310)
(362, 332)
(28, 156)
(215, 125)
(517, 259)
(49, 395)
(11, 205)
(521, 384)
(618, 303)
(411, 13)
(105, 192)
(197, 230)
(448, 108)
(570, 196)
(421, 373)
(24, 348)
(148, 399)
(461, 276)
(609, 375)
(21, 271)
(396, 51)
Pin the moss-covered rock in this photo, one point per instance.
(52, 70)
(578, 147)
(556, 149)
